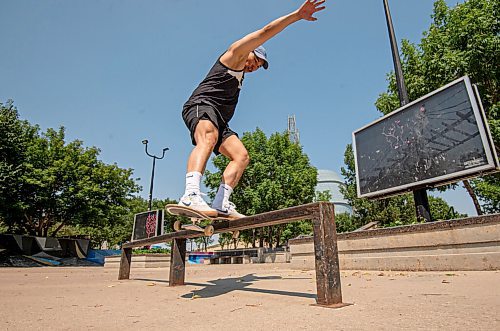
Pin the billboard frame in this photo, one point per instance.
(159, 222)
(492, 165)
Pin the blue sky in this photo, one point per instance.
(117, 72)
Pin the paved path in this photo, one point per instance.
(244, 297)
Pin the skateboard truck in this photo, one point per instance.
(207, 230)
(195, 217)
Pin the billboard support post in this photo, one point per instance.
(419, 195)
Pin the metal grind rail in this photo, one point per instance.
(329, 293)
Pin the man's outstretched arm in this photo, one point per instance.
(237, 53)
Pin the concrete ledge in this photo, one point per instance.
(253, 255)
(140, 261)
(242, 259)
(464, 244)
(438, 262)
(278, 257)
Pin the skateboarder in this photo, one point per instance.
(211, 106)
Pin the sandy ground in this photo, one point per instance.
(244, 297)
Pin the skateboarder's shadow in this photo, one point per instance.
(225, 285)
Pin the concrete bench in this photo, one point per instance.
(240, 259)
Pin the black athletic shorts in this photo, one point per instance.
(193, 115)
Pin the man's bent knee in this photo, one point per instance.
(245, 159)
(242, 159)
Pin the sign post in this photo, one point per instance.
(422, 207)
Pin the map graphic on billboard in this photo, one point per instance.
(434, 140)
(148, 224)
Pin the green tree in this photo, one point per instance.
(440, 210)
(15, 137)
(203, 242)
(488, 190)
(279, 176)
(464, 40)
(70, 185)
(56, 184)
(323, 196)
(225, 240)
(118, 229)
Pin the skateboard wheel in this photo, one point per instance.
(236, 234)
(209, 230)
(177, 225)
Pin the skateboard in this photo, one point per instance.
(196, 217)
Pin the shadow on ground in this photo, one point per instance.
(223, 286)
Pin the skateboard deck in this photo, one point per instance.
(196, 217)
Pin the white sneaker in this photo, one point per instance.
(229, 211)
(196, 202)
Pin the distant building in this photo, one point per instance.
(329, 180)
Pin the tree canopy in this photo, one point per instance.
(279, 176)
(47, 183)
(118, 228)
(463, 40)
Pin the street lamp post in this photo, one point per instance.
(419, 195)
(145, 142)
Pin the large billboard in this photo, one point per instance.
(440, 138)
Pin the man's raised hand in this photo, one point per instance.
(310, 7)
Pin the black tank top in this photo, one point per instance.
(220, 89)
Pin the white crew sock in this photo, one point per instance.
(193, 180)
(222, 197)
